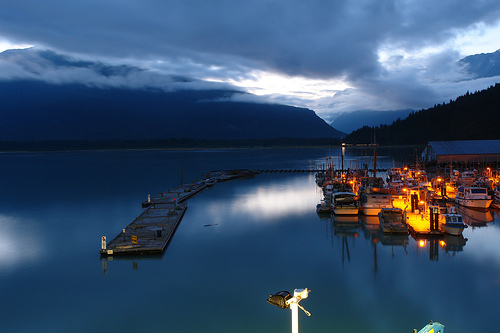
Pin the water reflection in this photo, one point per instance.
(475, 218)
(269, 202)
(19, 243)
(347, 228)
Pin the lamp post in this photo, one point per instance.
(284, 300)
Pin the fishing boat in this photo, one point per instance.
(473, 197)
(345, 203)
(452, 223)
(393, 220)
(372, 200)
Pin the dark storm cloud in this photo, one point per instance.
(227, 39)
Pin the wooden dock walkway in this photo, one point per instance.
(153, 229)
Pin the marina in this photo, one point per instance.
(406, 203)
(238, 240)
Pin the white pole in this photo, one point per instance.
(295, 316)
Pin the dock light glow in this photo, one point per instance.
(421, 243)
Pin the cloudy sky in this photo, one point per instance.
(330, 55)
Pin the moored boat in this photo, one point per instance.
(473, 197)
(373, 200)
(393, 220)
(452, 223)
(345, 203)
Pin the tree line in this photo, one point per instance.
(473, 116)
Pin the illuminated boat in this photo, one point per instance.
(392, 220)
(473, 197)
(452, 223)
(497, 193)
(345, 203)
(373, 200)
(466, 178)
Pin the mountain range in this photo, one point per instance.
(482, 65)
(59, 109)
(40, 111)
(351, 121)
(40, 101)
(476, 66)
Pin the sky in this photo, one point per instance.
(330, 56)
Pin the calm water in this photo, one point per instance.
(264, 236)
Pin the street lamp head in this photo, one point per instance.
(301, 293)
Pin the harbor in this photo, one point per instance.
(238, 240)
(422, 205)
(426, 200)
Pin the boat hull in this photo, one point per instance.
(474, 203)
(455, 230)
(345, 210)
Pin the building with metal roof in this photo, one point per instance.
(469, 151)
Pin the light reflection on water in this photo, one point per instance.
(238, 242)
(272, 200)
(19, 243)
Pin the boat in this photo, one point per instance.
(345, 203)
(452, 223)
(373, 200)
(393, 220)
(324, 207)
(467, 177)
(473, 197)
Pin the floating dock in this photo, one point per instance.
(151, 232)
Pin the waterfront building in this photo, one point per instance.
(469, 151)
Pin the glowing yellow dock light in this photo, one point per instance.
(422, 243)
(284, 300)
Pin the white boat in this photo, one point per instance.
(466, 178)
(393, 220)
(373, 200)
(345, 203)
(473, 197)
(452, 223)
